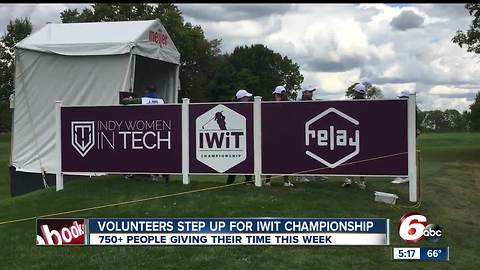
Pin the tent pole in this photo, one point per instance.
(132, 75)
(12, 130)
(127, 73)
(58, 145)
(177, 84)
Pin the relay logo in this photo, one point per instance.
(83, 138)
(413, 228)
(332, 137)
(62, 231)
(221, 138)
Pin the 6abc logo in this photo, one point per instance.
(413, 228)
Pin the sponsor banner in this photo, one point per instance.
(134, 139)
(60, 231)
(221, 138)
(336, 137)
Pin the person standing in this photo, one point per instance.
(280, 94)
(150, 97)
(241, 96)
(359, 93)
(400, 180)
(307, 94)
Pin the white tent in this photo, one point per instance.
(83, 64)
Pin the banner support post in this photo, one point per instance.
(412, 148)
(58, 145)
(257, 140)
(185, 141)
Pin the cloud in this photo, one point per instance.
(395, 47)
(453, 92)
(233, 12)
(39, 14)
(391, 90)
(407, 19)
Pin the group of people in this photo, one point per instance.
(280, 94)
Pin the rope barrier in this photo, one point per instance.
(182, 193)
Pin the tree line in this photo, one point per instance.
(207, 74)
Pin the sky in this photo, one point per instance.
(395, 47)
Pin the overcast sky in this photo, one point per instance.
(395, 47)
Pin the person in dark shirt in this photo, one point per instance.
(306, 93)
(280, 94)
(241, 96)
(151, 97)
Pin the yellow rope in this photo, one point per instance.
(175, 194)
(120, 203)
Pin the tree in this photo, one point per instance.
(454, 120)
(372, 92)
(198, 55)
(17, 30)
(475, 114)
(472, 37)
(420, 116)
(466, 119)
(435, 121)
(257, 69)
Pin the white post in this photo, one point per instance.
(412, 148)
(257, 140)
(185, 141)
(58, 145)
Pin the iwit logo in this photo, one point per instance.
(83, 138)
(332, 137)
(221, 138)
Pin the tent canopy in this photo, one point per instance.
(146, 38)
(83, 64)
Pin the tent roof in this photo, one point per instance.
(102, 38)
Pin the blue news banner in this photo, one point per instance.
(238, 231)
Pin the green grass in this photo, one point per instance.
(450, 171)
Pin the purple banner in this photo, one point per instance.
(115, 139)
(335, 137)
(221, 138)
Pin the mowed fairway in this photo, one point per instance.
(450, 171)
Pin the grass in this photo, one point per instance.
(450, 170)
